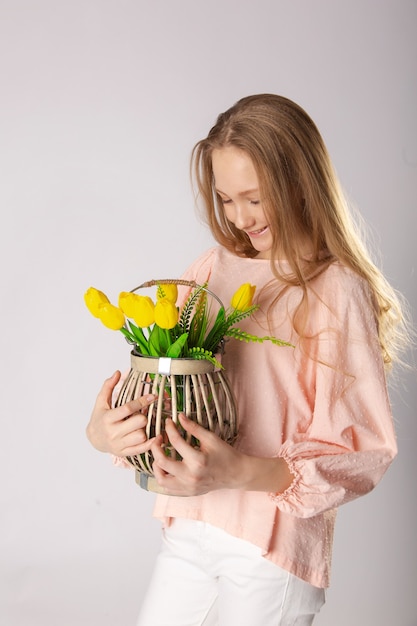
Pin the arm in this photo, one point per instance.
(215, 465)
(350, 440)
(344, 442)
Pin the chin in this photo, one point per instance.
(264, 254)
(264, 251)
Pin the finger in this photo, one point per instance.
(133, 407)
(163, 462)
(159, 473)
(184, 449)
(170, 483)
(194, 429)
(134, 448)
(135, 423)
(158, 453)
(105, 394)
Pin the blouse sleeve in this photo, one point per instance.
(350, 440)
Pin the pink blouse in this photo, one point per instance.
(329, 416)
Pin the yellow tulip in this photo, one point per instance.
(242, 298)
(128, 302)
(143, 311)
(94, 299)
(169, 291)
(111, 316)
(166, 313)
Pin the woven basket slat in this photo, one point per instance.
(174, 399)
(191, 386)
(197, 399)
(230, 401)
(159, 382)
(217, 405)
(187, 396)
(205, 397)
(202, 386)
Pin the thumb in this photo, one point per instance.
(104, 397)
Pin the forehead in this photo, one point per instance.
(234, 168)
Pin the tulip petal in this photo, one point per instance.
(94, 298)
(166, 314)
(144, 311)
(242, 298)
(128, 302)
(111, 316)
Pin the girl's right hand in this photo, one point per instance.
(119, 431)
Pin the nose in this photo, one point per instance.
(243, 219)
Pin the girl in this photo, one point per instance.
(251, 543)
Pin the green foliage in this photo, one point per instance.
(188, 308)
(195, 335)
(199, 353)
(174, 351)
(241, 335)
(136, 335)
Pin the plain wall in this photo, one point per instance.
(101, 103)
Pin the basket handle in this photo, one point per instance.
(179, 281)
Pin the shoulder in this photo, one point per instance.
(340, 282)
(202, 267)
(341, 294)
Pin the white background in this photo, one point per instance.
(100, 105)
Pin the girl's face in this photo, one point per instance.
(237, 185)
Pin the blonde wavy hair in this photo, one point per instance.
(294, 170)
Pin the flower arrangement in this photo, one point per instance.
(160, 328)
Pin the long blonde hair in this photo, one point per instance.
(301, 197)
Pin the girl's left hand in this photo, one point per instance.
(214, 465)
(211, 466)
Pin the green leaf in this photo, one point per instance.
(153, 342)
(175, 349)
(129, 336)
(237, 316)
(187, 310)
(200, 354)
(217, 331)
(139, 338)
(241, 335)
(198, 325)
(164, 339)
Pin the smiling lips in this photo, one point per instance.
(256, 233)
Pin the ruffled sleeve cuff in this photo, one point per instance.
(327, 478)
(279, 496)
(119, 461)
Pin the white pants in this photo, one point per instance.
(206, 577)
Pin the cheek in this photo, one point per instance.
(228, 212)
(263, 214)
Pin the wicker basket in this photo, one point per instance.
(182, 385)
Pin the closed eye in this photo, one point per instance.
(229, 201)
(224, 200)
